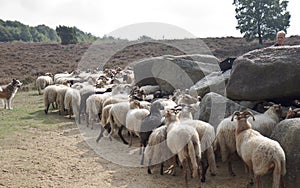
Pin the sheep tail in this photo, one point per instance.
(278, 172)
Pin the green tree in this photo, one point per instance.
(261, 19)
(67, 35)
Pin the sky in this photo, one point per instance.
(198, 18)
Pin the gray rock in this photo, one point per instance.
(174, 72)
(268, 73)
(214, 108)
(287, 134)
(214, 82)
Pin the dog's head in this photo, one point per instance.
(16, 83)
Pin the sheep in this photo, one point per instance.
(94, 105)
(117, 118)
(50, 95)
(184, 141)
(42, 82)
(152, 121)
(225, 136)
(259, 153)
(149, 89)
(134, 119)
(85, 91)
(104, 121)
(157, 150)
(266, 122)
(61, 92)
(206, 134)
(72, 102)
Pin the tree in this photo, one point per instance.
(261, 19)
(67, 35)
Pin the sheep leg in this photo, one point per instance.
(162, 168)
(281, 182)
(121, 136)
(185, 166)
(257, 179)
(149, 166)
(142, 160)
(101, 134)
(230, 165)
(249, 174)
(47, 108)
(205, 166)
(211, 161)
(130, 141)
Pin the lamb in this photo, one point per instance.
(225, 136)
(184, 141)
(259, 153)
(206, 134)
(152, 121)
(42, 82)
(134, 119)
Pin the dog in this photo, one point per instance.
(7, 92)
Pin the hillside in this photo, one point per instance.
(26, 61)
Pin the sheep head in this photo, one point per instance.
(292, 113)
(242, 115)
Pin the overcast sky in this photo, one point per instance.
(200, 18)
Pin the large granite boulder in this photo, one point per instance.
(215, 107)
(214, 82)
(174, 72)
(287, 134)
(268, 73)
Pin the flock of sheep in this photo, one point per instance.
(167, 126)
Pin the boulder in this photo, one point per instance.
(174, 72)
(287, 134)
(214, 82)
(214, 108)
(266, 74)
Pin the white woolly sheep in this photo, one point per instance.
(61, 92)
(50, 95)
(259, 153)
(206, 134)
(225, 136)
(105, 125)
(184, 141)
(94, 105)
(157, 151)
(134, 118)
(72, 102)
(149, 89)
(42, 82)
(117, 118)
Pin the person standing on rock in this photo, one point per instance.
(280, 38)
